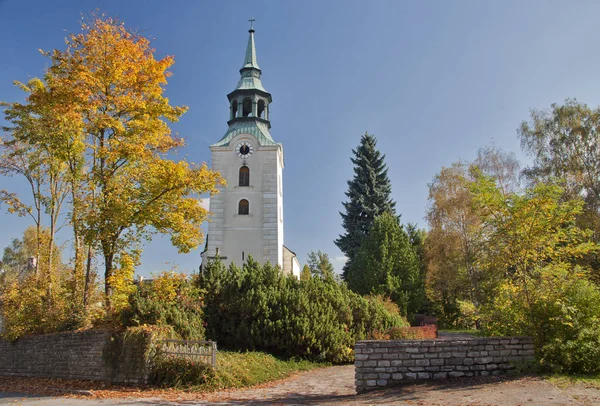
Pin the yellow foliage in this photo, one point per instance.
(167, 285)
(121, 280)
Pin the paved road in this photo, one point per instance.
(334, 385)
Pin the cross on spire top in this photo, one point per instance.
(252, 20)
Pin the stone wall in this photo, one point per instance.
(73, 355)
(381, 363)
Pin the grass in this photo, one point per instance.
(562, 380)
(241, 369)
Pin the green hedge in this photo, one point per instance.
(258, 308)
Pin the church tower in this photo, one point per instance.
(247, 213)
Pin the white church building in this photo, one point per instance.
(247, 213)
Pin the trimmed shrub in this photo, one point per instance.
(258, 308)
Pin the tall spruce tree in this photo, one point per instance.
(369, 196)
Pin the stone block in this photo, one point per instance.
(490, 367)
(423, 375)
(440, 375)
(371, 382)
(422, 362)
(384, 376)
(454, 361)
(361, 357)
(436, 361)
(456, 374)
(410, 375)
(397, 376)
(383, 363)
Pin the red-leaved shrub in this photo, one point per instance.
(407, 333)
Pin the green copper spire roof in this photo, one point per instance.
(249, 102)
(250, 72)
(256, 128)
(250, 60)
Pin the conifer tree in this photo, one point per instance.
(368, 197)
(387, 264)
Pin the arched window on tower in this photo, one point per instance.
(244, 176)
(246, 107)
(243, 207)
(234, 107)
(261, 109)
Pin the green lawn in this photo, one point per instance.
(562, 381)
(240, 369)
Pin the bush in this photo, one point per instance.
(258, 308)
(30, 307)
(170, 300)
(557, 306)
(407, 333)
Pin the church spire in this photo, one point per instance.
(250, 60)
(249, 102)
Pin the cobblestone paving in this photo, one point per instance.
(335, 385)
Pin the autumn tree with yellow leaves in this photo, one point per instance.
(99, 120)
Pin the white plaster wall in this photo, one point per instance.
(296, 267)
(260, 233)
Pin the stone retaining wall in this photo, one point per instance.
(381, 363)
(72, 355)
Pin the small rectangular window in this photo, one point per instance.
(244, 176)
(244, 207)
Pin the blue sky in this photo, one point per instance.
(433, 80)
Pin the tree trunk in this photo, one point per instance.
(88, 270)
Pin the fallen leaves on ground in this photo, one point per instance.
(105, 390)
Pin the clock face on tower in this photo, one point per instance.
(244, 149)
